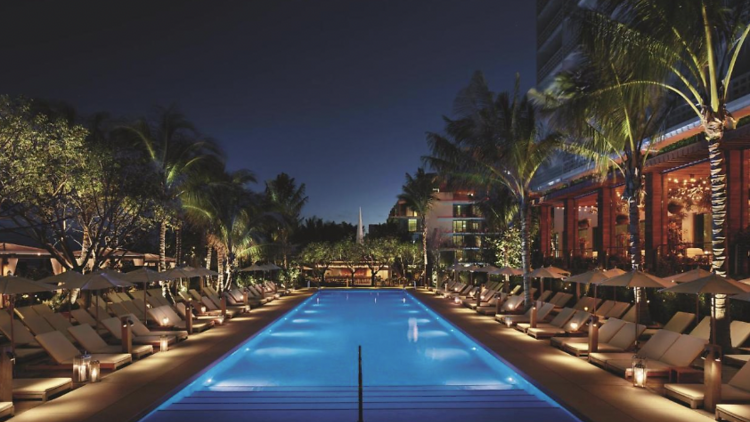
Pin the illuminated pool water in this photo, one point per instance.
(415, 365)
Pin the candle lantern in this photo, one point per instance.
(163, 343)
(95, 374)
(203, 309)
(640, 374)
(81, 367)
(165, 321)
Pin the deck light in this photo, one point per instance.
(95, 373)
(221, 319)
(638, 367)
(163, 343)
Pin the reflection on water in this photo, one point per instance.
(412, 334)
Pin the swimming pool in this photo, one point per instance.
(415, 366)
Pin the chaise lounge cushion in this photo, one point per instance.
(39, 388)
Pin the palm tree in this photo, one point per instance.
(418, 193)
(180, 158)
(233, 215)
(615, 131)
(689, 49)
(287, 200)
(495, 141)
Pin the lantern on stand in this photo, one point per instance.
(163, 343)
(95, 371)
(81, 365)
(640, 374)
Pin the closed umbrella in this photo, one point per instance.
(12, 286)
(713, 284)
(637, 280)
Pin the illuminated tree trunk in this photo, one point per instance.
(220, 260)
(722, 336)
(178, 244)
(632, 193)
(166, 290)
(525, 252)
(424, 249)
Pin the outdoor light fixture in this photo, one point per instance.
(81, 365)
(221, 319)
(95, 373)
(165, 321)
(574, 326)
(638, 367)
(457, 300)
(203, 309)
(163, 343)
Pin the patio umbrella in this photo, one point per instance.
(252, 268)
(177, 273)
(594, 277)
(12, 286)
(145, 276)
(687, 276)
(61, 280)
(507, 272)
(713, 284)
(270, 267)
(547, 272)
(614, 272)
(636, 279)
(98, 281)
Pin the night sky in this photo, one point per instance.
(337, 93)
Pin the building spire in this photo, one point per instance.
(360, 229)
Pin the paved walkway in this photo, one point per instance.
(592, 393)
(130, 393)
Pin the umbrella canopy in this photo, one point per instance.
(205, 272)
(713, 284)
(456, 267)
(509, 271)
(635, 279)
(614, 272)
(178, 273)
(471, 268)
(270, 267)
(547, 272)
(98, 280)
(142, 275)
(490, 269)
(63, 278)
(254, 267)
(12, 285)
(594, 276)
(689, 275)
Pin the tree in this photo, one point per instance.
(318, 256)
(379, 254)
(181, 159)
(313, 229)
(418, 193)
(285, 198)
(495, 141)
(350, 254)
(690, 50)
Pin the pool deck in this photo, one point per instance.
(131, 392)
(591, 392)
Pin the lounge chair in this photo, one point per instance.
(511, 320)
(703, 329)
(544, 296)
(134, 309)
(678, 323)
(63, 352)
(733, 412)
(680, 354)
(92, 342)
(605, 307)
(557, 322)
(7, 409)
(38, 325)
(587, 303)
(40, 388)
(630, 315)
(41, 309)
(57, 321)
(25, 311)
(622, 341)
(491, 306)
(606, 332)
(141, 330)
(737, 390)
(652, 350)
(617, 310)
(113, 326)
(512, 304)
(26, 347)
(561, 300)
(174, 320)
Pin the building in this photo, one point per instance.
(455, 226)
(583, 219)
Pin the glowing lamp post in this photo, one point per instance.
(640, 374)
(163, 343)
(95, 371)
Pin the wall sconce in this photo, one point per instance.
(81, 365)
(95, 371)
(163, 343)
(640, 375)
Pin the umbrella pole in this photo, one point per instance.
(97, 311)
(12, 334)
(697, 309)
(145, 307)
(70, 305)
(713, 319)
(637, 312)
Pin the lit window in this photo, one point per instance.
(412, 225)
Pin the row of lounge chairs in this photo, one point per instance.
(38, 331)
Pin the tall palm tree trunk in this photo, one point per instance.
(220, 260)
(633, 186)
(722, 337)
(209, 255)
(424, 249)
(178, 244)
(525, 252)
(166, 290)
